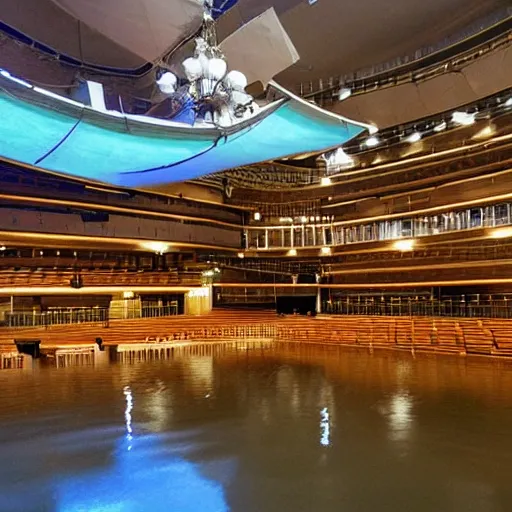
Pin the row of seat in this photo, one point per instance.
(438, 335)
(56, 278)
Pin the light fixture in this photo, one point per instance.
(485, 133)
(404, 245)
(199, 292)
(501, 233)
(2, 248)
(413, 137)
(325, 251)
(303, 219)
(167, 83)
(292, 252)
(325, 181)
(338, 160)
(218, 96)
(257, 216)
(371, 142)
(128, 295)
(439, 127)
(344, 93)
(156, 247)
(508, 103)
(241, 255)
(372, 129)
(463, 118)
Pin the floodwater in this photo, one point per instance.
(258, 429)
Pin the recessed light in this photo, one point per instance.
(371, 142)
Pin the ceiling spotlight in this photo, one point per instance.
(371, 142)
(439, 127)
(344, 93)
(463, 118)
(414, 137)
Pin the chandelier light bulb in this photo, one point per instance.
(236, 81)
(193, 69)
(167, 83)
(216, 69)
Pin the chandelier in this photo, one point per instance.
(218, 95)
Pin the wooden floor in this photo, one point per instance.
(436, 335)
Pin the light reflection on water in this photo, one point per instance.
(276, 429)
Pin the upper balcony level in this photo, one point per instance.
(446, 136)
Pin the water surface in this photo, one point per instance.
(280, 428)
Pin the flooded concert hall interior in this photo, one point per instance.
(255, 256)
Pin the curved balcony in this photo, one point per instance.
(404, 231)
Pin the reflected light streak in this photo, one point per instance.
(128, 415)
(325, 427)
(400, 417)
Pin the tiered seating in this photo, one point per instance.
(431, 335)
(449, 336)
(35, 278)
(501, 332)
(477, 340)
(403, 332)
(39, 278)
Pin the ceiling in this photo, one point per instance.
(338, 37)
(333, 37)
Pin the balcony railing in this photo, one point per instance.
(56, 317)
(306, 235)
(448, 307)
(95, 315)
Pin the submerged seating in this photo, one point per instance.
(432, 335)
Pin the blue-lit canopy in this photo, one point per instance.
(67, 137)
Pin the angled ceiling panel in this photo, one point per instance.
(261, 49)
